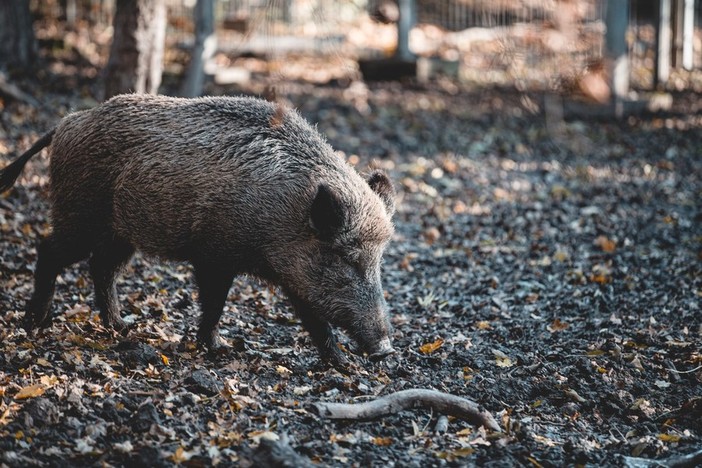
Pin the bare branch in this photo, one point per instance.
(446, 403)
(682, 461)
(13, 91)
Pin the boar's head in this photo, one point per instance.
(333, 276)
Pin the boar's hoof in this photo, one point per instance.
(337, 360)
(382, 350)
(30, 324)
(118, 325)
(213, 344)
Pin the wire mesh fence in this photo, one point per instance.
(530, 43)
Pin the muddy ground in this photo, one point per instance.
(548, 270)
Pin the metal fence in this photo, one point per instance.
(529, 41)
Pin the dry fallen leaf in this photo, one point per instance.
(661, 384)
(256, 436)
(557, 326)
(48, 380)
(560, 192)
(181, 456)
(599, 278)
(573, 395)
(431, 235)
(606, 244)
(452, 455)
(601, 273)
(561, 256)
(30, 391)
(672, 438)
(347, 438)
(382, 441)
(544, 440)
(501, 359)
(429, 348)
(124, 447)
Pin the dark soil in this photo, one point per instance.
(548, 270)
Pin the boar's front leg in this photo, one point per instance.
(321, 333)
(213, 282)
(105, 264)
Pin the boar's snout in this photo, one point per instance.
(382, 350)
(374, 336)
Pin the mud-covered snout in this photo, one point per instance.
(374, 334)
(382, 350)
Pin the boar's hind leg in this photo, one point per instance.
(53, 254)
(105, 264)
(321, 333)
(213, 283)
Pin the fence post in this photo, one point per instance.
(407, 20)
(203, 49)
(617, 23)
(688, 34)
(663, 43)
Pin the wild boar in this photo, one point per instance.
(233, 185)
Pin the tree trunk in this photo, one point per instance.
(136, 55)
(203, 49)
(17, 44)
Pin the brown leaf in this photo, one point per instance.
(382, 441)
(557, 326)
(452, 455)
(672, 438)
(429, 348)
(180, 456)
(599, 279)
(30, 391)
(501, 359)
(431, 235)
(606, 244)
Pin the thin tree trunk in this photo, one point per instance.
(203, 49)
(136, 56)
(17, 44)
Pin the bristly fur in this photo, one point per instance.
(232, 185)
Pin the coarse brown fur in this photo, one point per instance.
(211, 181)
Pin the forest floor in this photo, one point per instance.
(549, 270)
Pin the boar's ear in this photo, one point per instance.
(381, 185)
(327, 214)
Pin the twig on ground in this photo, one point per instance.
(11, 90)
(689, 371)
(446, 403)
(682, 461)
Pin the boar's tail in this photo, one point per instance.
(9, 175)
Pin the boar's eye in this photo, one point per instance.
(350, 260)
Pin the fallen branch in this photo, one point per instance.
(446, 403)
(683, 461)
(13, 91)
